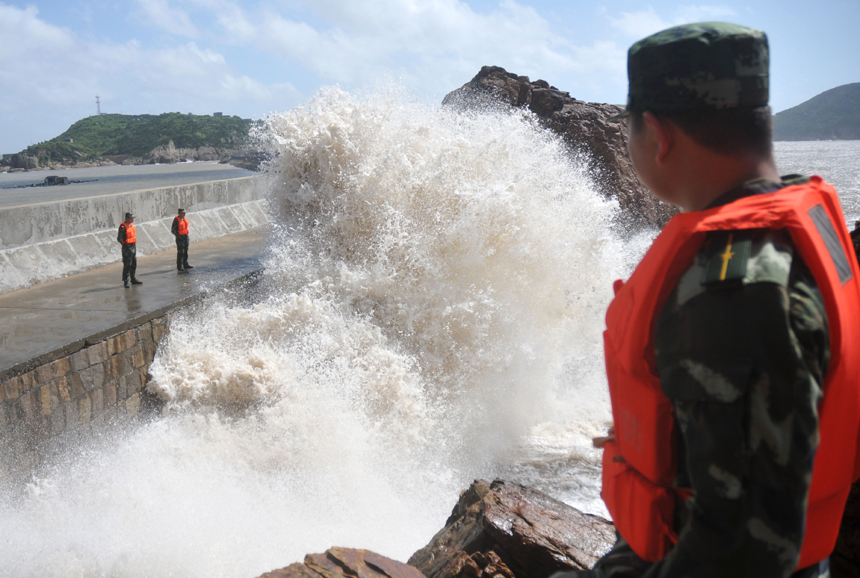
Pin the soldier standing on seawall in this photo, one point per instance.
(127, 237)
(731, 351)
(179, 228)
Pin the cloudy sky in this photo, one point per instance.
(251, 57)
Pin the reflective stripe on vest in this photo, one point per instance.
(639, 467)
(182, 225)
(130, 234)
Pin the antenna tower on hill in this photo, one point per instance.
(98, 107)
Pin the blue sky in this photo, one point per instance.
(252, 57)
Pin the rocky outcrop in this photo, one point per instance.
(169, 154)
(845, 560)
(511, 531)
(346, 562)
(21, 162)
(583, 126)
(249, 159)
(496, 530)
(25, 162)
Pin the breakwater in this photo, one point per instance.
(84, 389)
(47, 241)
(74, 392)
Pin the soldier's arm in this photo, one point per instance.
(743, 362)
(120, 235)
(174, 228)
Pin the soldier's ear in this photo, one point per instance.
(663, 132)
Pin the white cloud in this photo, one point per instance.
(646, 22)
(173, 20)
(639, 24)
(705, 13)
(424, 42)
(230, 17)
(21, 32)
(431, 46)
(50, 79)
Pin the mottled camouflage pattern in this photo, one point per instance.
(743, 361)
(704, 66)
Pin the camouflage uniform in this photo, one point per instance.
(740, 353)
(711, 66)
(743, 361)
(855, 239)
(129, 257)
(181, 244)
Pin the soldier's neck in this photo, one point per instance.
(706, 175)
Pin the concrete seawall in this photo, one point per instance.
(82, 390)
(47, 241)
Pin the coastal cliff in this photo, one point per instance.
(585, 128)
(112, 139)
(832, 115)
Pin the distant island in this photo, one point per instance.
(171, 137)
(832, 115)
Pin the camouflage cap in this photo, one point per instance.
(129, 216)
(702, 66)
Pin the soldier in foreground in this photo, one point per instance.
(127, 237)
(179, 228)
(731, 351)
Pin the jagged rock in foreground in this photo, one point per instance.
(845, 560)
(584, 128)
(346, 562)
(507, 530)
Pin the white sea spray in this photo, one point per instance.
(430, 312)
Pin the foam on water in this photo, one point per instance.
(430, 312)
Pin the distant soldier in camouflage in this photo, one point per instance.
(179, 228)
(736, 345)
(127, 237)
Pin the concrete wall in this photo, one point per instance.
(46, 241)
(38, 223)
(81, 391)
(71, 397)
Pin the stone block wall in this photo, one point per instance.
(72, 397)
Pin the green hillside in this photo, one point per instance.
(832, 115)
(136, 135)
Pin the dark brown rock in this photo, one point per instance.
(855, 239)
(584, 127)
(845, 560)
(340, 562)
(511, 531)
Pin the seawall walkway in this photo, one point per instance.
(44, 241)
(59, 315)
(75, 345)
(75, 352)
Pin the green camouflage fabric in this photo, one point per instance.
(743, 360)
(742, 356)
(703, 66)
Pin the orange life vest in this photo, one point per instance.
(640, 465)
(130, 235)
(182, 225)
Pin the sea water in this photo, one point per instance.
(430, 313)
(837, 161)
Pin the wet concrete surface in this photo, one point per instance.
(47, 317)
